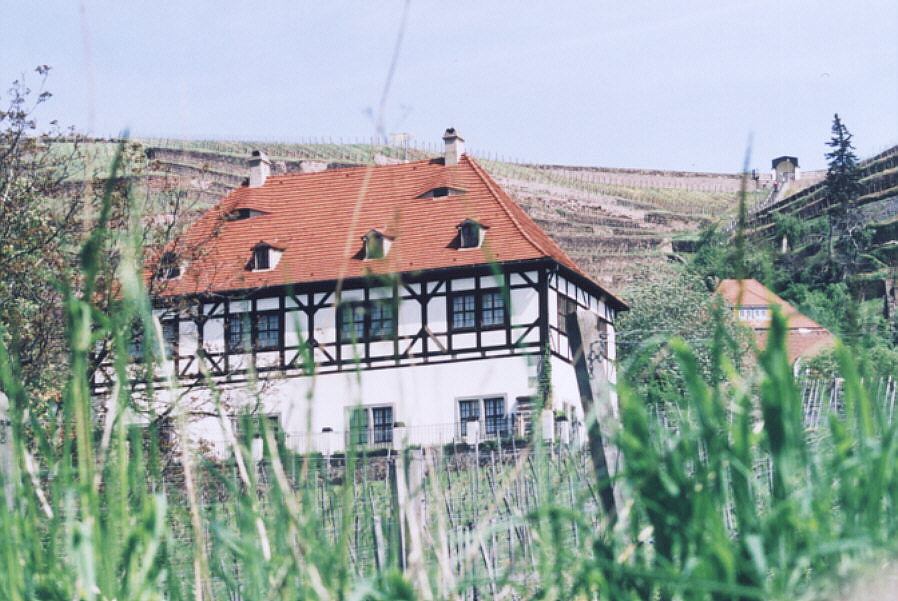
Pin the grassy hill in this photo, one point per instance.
(617, 223)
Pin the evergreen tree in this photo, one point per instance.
(847, 236)
(842, 175)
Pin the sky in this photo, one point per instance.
(684, 85)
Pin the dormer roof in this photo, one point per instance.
(320, 217)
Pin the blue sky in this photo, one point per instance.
(644, 84)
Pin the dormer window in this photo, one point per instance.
(265, 257)
(244, 213)
(470, 234)
(441, 192)
(377, 244)
(169, 266)
(261, 258)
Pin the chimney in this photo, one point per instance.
(455, 147)
(259, 168)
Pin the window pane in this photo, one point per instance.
(382, 320)
(170, 337)
(566, 306)
(495, 422)
(468, 411)
(135, 347)
(352, 326)
(493, 309)
(463, 311)
(470, 235)
(383, 424)
(358, 426)
(260, 258)
(268, 328)
(237, 335)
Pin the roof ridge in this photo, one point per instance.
(496, 191)
(554, 251)
(274, 176)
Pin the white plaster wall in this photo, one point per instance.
(424, 397)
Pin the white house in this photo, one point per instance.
(352, 301)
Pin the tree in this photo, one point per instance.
(672, 302)
(842, 174)
(847, 236)
(36, 231)
(49, 190)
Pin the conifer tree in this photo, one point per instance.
(847, 235)
(842, 174)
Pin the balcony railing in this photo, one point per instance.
(493, 428)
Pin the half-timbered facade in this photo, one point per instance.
(414, 300)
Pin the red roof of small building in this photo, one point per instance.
(319, 220)
(805, 337)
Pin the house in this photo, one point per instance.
(751, 303)
(413, 298)
(785, 168)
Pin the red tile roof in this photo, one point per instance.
(805, 337)
(320, 219)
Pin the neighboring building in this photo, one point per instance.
(785, 169)
(422, 293)
(752, 303)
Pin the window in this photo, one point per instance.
(169, 267)
(236, 334)
(470, 234)
(135, 345)
(267, 333)
(441, 191)
(369, 425)
(383, 424)
(238, 214)
(468, 411)
(373, 320)
(381, 321)
(263, 333)
(246, 425)
(494, 416)
(753, 313)
(376, 245)
(483, 310)
(464, 311)
(494, 421)
(493, 309)
(170, 337)
(358, 426)
(261, 258)
(603, 338)
(566, 306)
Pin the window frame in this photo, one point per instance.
(368, 319)
(492, 424)
(255, 335)
(470, 231)
(479, 310)
(255, 421)
(251, 344)
(373, 432)
(169, 266)
(261, 258)
(170, 337)
(565, 302)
